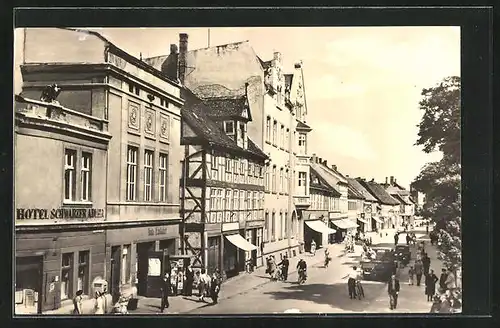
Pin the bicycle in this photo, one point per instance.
(359, 290)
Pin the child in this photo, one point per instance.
(411, 273)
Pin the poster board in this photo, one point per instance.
(154, 267)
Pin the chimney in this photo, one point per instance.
(298, 65)
(334, 167)
(325, 163)
(320, 160)
(392, 180)
(347, 176)
(395, 181)
(169, 67)
(386, 182)
(372, 180)
(183, 48)
(314, 158)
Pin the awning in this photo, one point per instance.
(319, 226)
(376, 218)
(363, 220)
(344, 224)
(240, 242)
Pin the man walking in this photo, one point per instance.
(351, 282)
(165, 290)
(284, 267)
(442, 279)
(393, 291)
(426, 262)
(418, 271)
(430, 285)
(396, 238)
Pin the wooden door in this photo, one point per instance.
(115, 272)
(158, 264)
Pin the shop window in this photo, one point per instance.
(66, 276)
(148, 175)
(266, 227)
(86, 176)
(83, 271)
(131, 173)
(69, 175)
(163, 177)
(125, 264)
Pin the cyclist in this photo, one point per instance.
(302, 269)
(354, 279)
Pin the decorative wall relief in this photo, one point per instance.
(149, 122)
(164, 127)
(133, 116)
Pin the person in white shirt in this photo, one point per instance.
(354, 276)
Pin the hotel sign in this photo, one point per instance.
(58, 213)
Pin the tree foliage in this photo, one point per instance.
(439, 130)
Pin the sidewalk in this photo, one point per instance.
(235, 286)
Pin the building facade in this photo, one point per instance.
(222, 186)
(141, 108)
(356, 202)
(370, 219)
(60, 204)
(233, 70)
(388, 207)
(407, 207)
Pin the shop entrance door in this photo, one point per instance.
(115, 272)
(158, 263)
(254, 241)
(213, 254)
(143, 250)
(28, 284)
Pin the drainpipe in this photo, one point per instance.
(183, 207)
(290, 188)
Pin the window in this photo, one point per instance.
(287, 138)
(213, 162)
(242, 167)
(133, 88)
(229, 128)
(302, 182)
(282, 136)
(125, 264)
(228, 164)
(293, 142)
(268, 180)
(69, 175)
(275, 132)
(285, 225)
(302, 143)
(282, 188)
(229, 199)
(236, 204)
(86, 176)
(66, 276)
(281, 226)
(243, 135)
(254, 201)
(242, 200)
(83, 271)
(268, 129)
(223, 199)
(247, 199)
(273, 226)
(163, 177)
(250, 169)
(266, 227)
(274, 179)
(148, 175)
(131, 173)
(287, 185)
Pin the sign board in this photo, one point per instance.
(256, 223)
(230, 226)
(154, 267)
(58, 213)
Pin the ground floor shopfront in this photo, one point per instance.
(54, 262)
(342, 224)
(128, 252)
(377, 223)
(364, 223)
(316, 229)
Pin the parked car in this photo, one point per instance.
(403, 254)
(380, 268)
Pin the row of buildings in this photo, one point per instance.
(200, 154)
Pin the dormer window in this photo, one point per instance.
(242, 135)
(229, 128)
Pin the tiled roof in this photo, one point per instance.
(379, 192)
(400, 199)
(303, 126)
(194, 113)
(326, 181)
(226, 107)
(362, 190)
(352, 193)
(328, 176)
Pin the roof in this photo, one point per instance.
(265, 64)
(352, 193)
(400, 199)
(328, 176)
(325, 181)
(302, 126)
(362, 190)
(227, 106)
(194, 113)
(379, 192)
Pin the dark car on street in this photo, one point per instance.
(403, 254)
(382, 266)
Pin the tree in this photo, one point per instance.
(439, 130)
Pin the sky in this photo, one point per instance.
(362, 84)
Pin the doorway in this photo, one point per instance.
(115, 273)
(28, 285)
(143, 249)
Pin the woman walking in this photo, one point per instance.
(430, 285)
(77, 303)
(189, 281)
(99, 303)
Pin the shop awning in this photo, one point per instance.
(319, 226)
(363, 220)
(344, 224)
(240, 242)
(376, 218)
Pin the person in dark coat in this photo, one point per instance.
(215, 283)
(165, 290)
(285, 264)
(430, 285)
(188, 287)
(396, 238)
(426, 263)
(442, 279)
(393, 291)
(419, 271)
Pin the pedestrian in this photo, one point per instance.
(442, 279)
(165, 291)
(418, 271)
(393, 291)
(430, 285)
(450, 281)
(173, 280)
(351, 282)
(215, 286)
(204, 284)
(197, 282)
(426, 262)
(411, 274)
(77, 302)
(98, 303)
(396, 238)
(272, 267)
(313, 247)
(408, 239)
(285, 263)
(188, 287)
(328, 258)
(180, 281)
